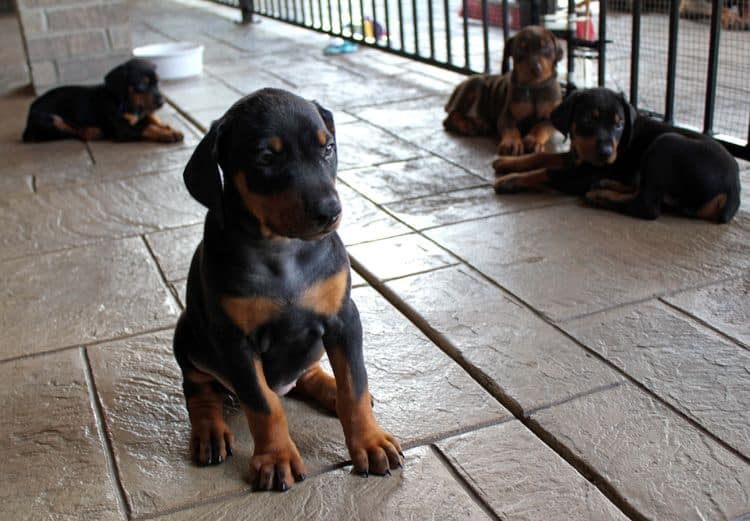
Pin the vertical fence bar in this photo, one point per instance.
(330, 15)
(506, 21)
(341, 17)
(485, 38)
(387, 25)
(431, 28)
(416, 26)
(571, 43)
(374, 22)
(351, 19)
(713, 67)
(320, 14)
(449, 54)
(362, 17)
(401, 24)
(674, 18)
(602, 69)
(465, 11)
(635, 52)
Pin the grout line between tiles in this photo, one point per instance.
(706, 325)
(461, 480)
(88, 344)
(109, 455)
(163, 275)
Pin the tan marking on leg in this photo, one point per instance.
(508, 164)
(610, 196)
(538, 136)
(318, 386)
(371, 448)
(531, 180)
(326, 296)
(712, 209)
(276, 462)
(617, 186)
(247, 313)
(510, 142)
(211, 439)
(132, 119)
(59, 123)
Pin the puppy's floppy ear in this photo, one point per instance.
(116, 81)
(327, 116)
(562, 116)
(558, 49)
(630, 114)
(203, 176)
(507, 52)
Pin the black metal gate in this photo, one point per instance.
(632, 45)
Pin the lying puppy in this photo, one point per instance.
(122, 109)
(269, 290)
(515, 105)
(629, 163)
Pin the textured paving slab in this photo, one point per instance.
(341, 495)
(654, 459)
(75, 216)
(725, 306)
(528, 360)
(363, 220)
(409, 179)
(420, 121)
(174, 249)
(685, 364)
(201, 92)
(463, 205)
(360, 144)
(54, 465)
(13, 186)
(419, 394)
(400, 256)
(42, 159)
(565, 260)
(522, 478)
(179, 288)
(79, 296)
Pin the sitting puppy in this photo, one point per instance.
(629, 163)
(121, 110)
(515, 105)
(269, 290)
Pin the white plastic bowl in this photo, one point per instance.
(173, 60)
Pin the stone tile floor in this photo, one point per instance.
(540, 359)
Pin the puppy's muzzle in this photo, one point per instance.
(328, 213)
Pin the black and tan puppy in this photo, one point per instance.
(269, 290)
(122, 109)
(629, 163)
(514, 105)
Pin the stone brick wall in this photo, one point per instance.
(73, 41)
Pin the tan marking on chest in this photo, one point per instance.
(325, 297)
(248, 313)
(521, 109)
(132, 119)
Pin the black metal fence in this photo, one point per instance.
(675, 62)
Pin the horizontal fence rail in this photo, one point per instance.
(629, 41)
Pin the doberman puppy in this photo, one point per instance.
(629, 163)
(122, 109)
(514, 105)
(269, 290)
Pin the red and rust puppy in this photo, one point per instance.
(515, 105)
(122, 109)
(269, 290)
(629, 163)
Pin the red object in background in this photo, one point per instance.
(585, 29)
(494, 13)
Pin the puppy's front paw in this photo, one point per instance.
(532, 143)
(510, 146)
(171, 135)
(276, 466)
(211, 441)
(508, 184)
(375, 451)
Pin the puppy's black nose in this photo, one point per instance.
(328, 212)
(604, 149)
(536, 68)
(158, 100)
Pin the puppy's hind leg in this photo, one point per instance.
(43, 126)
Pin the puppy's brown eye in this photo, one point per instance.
(328, 149)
